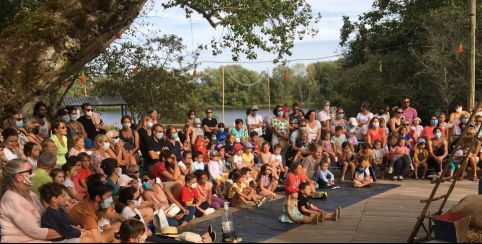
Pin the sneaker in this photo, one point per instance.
(395, 177)
(400, 178)
(212, 233)
(390, 170)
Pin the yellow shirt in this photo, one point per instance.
(420, 155)
(248, 159)
(61, 150)
(239, 186)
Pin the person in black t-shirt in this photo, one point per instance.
(209, 124)
(92, 129)
(155, 144)
(307, 208)
(295, 117)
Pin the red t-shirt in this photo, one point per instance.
(83, 174)
(202, 149)
(295, 180)
(376, 135)
(158, 169)
(189, 195)
(428, 132)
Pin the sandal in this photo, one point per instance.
(212, 233)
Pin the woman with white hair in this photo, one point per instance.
(117, 150)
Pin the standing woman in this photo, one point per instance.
(145, 134)
(365, 115)
(59, 132)
(396, 120)
(313, 127)
(375, 132)
(437, 150)
(280, 126)
(339, 120)
(20, 209)
(173, 143)
(153, 115)
(130, 137)
(75, 128)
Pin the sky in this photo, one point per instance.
(197, 31)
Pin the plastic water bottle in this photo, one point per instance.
(227, 220)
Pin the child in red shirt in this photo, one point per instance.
(84, 171)
(189, 196)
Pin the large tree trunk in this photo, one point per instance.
(46, 46)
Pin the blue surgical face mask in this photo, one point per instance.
(340, 116)
(147, 185)
(280, 113)
(66, 118)
(434, 122)
(464, 121)
(174, 136)
(438, 135)
(106, 203)
(19, 124)
(159, 135)
(221, 129)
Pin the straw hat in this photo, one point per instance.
(170, 231)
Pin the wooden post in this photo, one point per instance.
(269, 93)
(471, 88)
(222, 87)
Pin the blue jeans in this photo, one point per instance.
(186, 218)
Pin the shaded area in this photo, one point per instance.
(259, 224)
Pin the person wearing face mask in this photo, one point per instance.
(173, 143)
(45, 164)
(118, 151)
(85, 212)
(458, 127)
(15, 121)
(459, 111)
(280, 126)
(40, 114)
(191, 115)
(324, 116)
(152, 112)
(155, 146)
(91, 122)
(437, 150)
(209, 124)
(16, 197)
(75, 128)
(100, 152)
(32, 129)
(189, 196)
(339, 120)
(427, 132)
(295, 117)
(255, 121)
(375, 132)
(222, 134)
(295, 139)
(145, 133)
(129, 136)
(198, 129)
(313, 127)
(59, 132)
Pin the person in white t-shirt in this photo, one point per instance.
(324, 116)
(255, 121)
(128, 206)
(12, 148)
(365, 116)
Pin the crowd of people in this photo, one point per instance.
(81, 181)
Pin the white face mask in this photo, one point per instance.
(194, 186)
(193, 116)
(376, 124)
(458, 110)
(126, 126)
(116, 141)
(74, 117)
(28, 180)
(106, 146)
(89, 113)
(150, 125)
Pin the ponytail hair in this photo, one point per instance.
(9, 171)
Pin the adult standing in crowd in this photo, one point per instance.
(145, 133)
(255, 122)
(365, 115)
(21, 209)
(280, 126)
(92, 123)
(339, 120)
(209, 124)
(191, 115)
(75, 128)
(130, 137)
(324, 116)
(152, 112)
(409, 113)
(173, 143)
(313, 126)
(45, 164)
(295, 117)
(59, 132)
(40, 114)
(396, 120)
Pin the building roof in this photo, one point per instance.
(95, 101)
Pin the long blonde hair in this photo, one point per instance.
(97, 139)
(6, 177)
(141, 123)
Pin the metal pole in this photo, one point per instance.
(222, 87)
(471, 88)
(269, 93)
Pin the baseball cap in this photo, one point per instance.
(237, 147)
(353, 121)
(421, 141)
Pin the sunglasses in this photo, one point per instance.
(399, 112)
(210, 112)
(30, 171)
(407, 102)
(115, 137)
(89, 110)
(255, 110)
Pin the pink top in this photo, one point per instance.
(410, 114)
(20, 218)
(327, 145)
(400, 150)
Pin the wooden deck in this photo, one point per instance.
(387, 217)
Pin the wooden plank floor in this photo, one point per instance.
(387, 217)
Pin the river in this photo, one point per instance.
(113, 117)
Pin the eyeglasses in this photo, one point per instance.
(89, 110)
(30, 171)
(209, 112)
(399, 112)
(255, 110)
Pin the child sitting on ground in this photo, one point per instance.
(248, 156)
(324, 177)
(268, 181)
(216, 170)
(106, 217)
(337, 140)
(205, 188)
(55, 216)
(84, 170)
(265, 155)
(58, 176)
(291, 213)
(240, 194)
(455, 164)
(238, 156)
(420, 157)
(346, 160)
(276, 162)
(378, 156)
(198, 163)
(309, 209)
(254, 140)
(362, 176)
